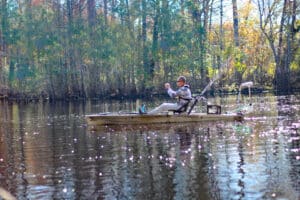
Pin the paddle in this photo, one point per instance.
(216, 77)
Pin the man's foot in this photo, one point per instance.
(142, 109)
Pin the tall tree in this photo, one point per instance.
(235, 23)
(111, 46)
(73, 13)
(200, 18)
(91, 8)
(155, 30)
(238, 54)
(144, 10)
(221, 36)
(92, 37)
(3, 37)
(166, 37)
(105, 7)
(221, 27)
(284, 37)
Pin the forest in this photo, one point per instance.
(79, 49)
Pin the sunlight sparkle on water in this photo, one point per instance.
(295, 150)
(256, 159)
(131, 158)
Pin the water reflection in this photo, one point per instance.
(48, 152)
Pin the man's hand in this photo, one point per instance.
(167, 85)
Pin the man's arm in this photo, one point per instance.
(170, 91)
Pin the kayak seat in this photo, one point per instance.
(183, 108)
(189, 105)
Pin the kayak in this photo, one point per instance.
(213, 114)
(140, 119)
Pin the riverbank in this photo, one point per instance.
(9, 95)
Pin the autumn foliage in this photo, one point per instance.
(90, 49)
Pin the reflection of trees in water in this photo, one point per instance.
(294, 158)
(206, 161)
(200, 161)
(156, 165)
(37, 159)
(203, 143)
(191, 175)
(288, 106)
(226, 152)
(288, 127)
(14, 158)
(7, 150)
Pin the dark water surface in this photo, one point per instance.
(48, 152)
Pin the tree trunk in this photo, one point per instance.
(282, 83)
(131, 69)
(221, 42)
(105, 11)
(221, 29)
(235, 23)
(144, 45)
(71, 57)
(91, 12)
(200, 15)
(3, 38)
(238, 73)
(286, 44)
(93, 74)
(155, 31)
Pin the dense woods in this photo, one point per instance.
(75, 49)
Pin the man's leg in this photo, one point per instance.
(164, 108)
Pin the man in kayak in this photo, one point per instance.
(183, 94)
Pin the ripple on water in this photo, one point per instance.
(52, 155)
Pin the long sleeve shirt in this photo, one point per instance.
(183, 93)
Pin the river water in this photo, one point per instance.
(47, 151)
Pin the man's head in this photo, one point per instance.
(181, 78)
(181, 81)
